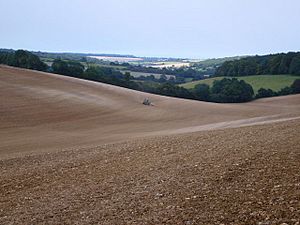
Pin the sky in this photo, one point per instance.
(165, 28)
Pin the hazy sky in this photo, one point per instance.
(178, 28)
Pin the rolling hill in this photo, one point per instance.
(75, 151)
(274, 82)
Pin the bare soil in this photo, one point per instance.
(78, 152)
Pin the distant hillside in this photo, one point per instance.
(79, 56)
(216, 61)
(284, 63)
(273, 82)
(208, 66)
(68, 55)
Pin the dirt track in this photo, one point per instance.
(81, 152)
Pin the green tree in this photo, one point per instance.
(202, 92)
(23, 59)
(127, 76)
(295, 66)
(70, 68)
(267, 64)
(173, 90)
(264, 93)
(285, 91)
(296, 86)
(231, 90)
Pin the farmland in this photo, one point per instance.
(79, 152)
(274, 82)
(117, 59)
(139, 74)
(170, 64)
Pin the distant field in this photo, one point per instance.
(139, 74)
(117, 59)
(111, 66)
(274, 82)
(170, 64)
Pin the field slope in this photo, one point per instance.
(274, 82)
(79, 152)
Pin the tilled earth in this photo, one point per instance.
(42, 112)
(248, 175)
(79, 152)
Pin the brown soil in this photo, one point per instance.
(78, 152)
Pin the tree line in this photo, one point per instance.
(227, 90)
(284, 63)
(233, 90)
(23, 59)
(293, 89)
(180, 73)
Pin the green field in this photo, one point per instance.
(274, 82)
